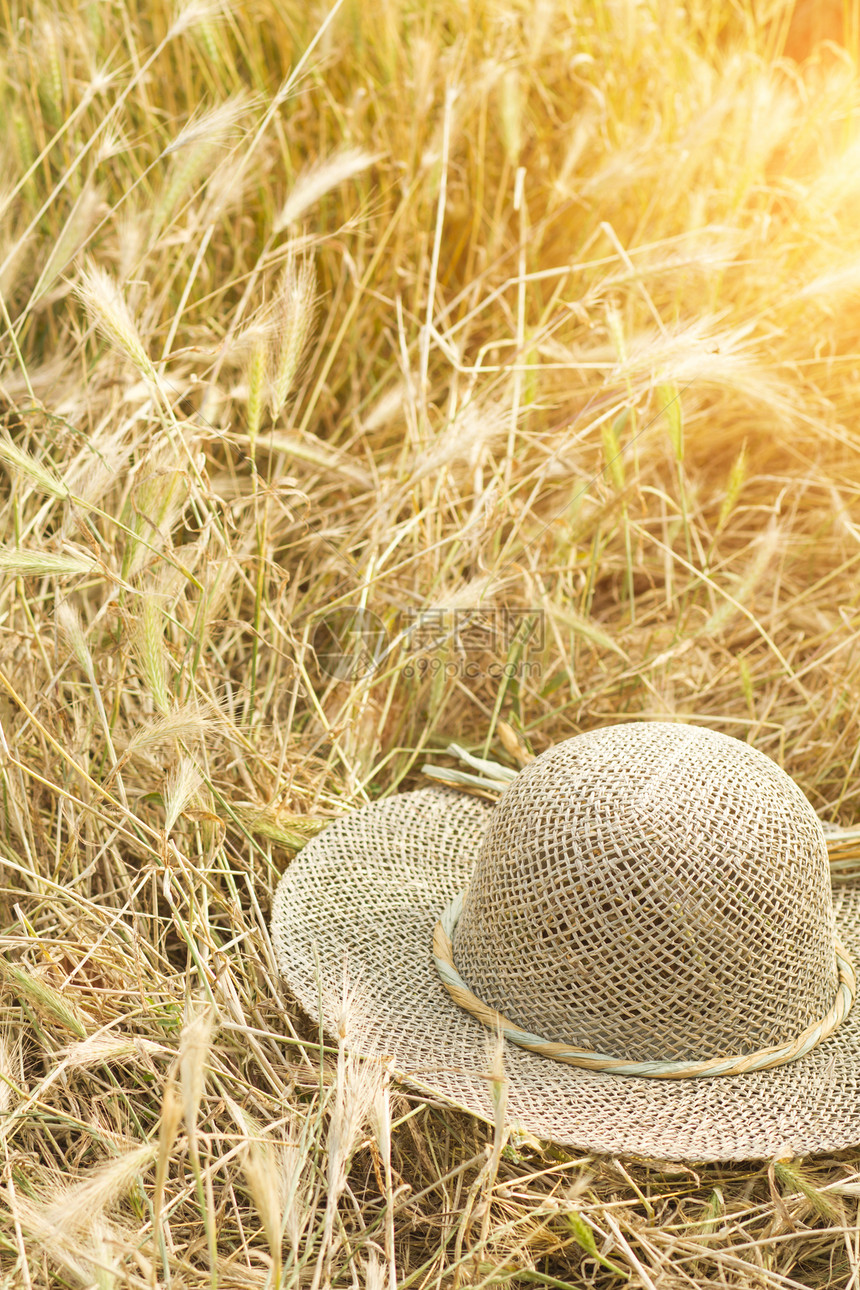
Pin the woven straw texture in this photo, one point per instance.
(633, 875)
(653, 890)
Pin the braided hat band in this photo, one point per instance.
(588, 1059)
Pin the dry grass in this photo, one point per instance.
(492, 307)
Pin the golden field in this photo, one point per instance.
(464, 315)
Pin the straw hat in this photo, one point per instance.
(647, 915)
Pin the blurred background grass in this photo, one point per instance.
(460, 314)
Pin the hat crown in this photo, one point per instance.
(656, 892)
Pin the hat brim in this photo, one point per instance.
(355, 911)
